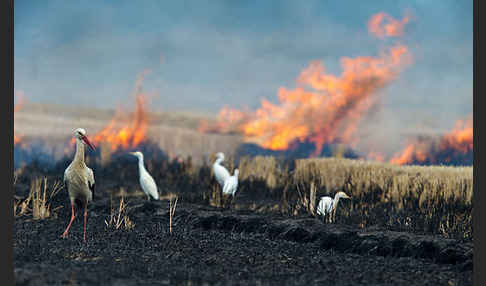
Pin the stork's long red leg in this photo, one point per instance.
(85, 215)
(64, 235)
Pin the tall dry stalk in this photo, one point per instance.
(215, 198)
(172, 208)
(40, 209)
(312, 198)
(306, 200)
(302, 201)
(16, 203)
(120, 217)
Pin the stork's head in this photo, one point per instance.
(80, 134)
(342, 195)
(137, 154)
(236, 172)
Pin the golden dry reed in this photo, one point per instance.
(119, 218)
(265, 168)
(172, 208)
(38, 202)
(435, 199)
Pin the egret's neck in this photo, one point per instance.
(335, 201)
(140, 164)
(79, 156)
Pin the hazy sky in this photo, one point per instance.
(207, 54)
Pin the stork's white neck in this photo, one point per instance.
(219, 161)
(79, 156)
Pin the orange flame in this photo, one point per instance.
(460, 138)
(129, 135)
(376, 156)
(231, 116)
(324, 108)
(414, 151)
(16, 139)
(457, 141)
(392, 27)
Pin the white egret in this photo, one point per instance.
(327, 206)
(146, 181)
(220, 171)
(79, 180)
(231, 184)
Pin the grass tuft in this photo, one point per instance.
(119, 219)
(38, 202)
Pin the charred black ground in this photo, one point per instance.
(212, 245)
(228, 247)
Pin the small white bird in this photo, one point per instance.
(231, 184)
(327, 206)
(220, 171)
(79, 179)
(146, 181)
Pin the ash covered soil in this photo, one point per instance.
(213, 246)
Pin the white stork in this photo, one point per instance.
(79, 179)
(327, 206)
(146, 181)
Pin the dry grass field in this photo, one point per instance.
(435, 199)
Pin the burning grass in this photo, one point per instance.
(452, 148)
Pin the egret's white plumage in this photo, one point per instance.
(220, 171)
(146, 181)
(79, 179)
(327, 206)
(231, 184)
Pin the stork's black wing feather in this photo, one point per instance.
(92, 188)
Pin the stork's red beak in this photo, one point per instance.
(85, 139)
